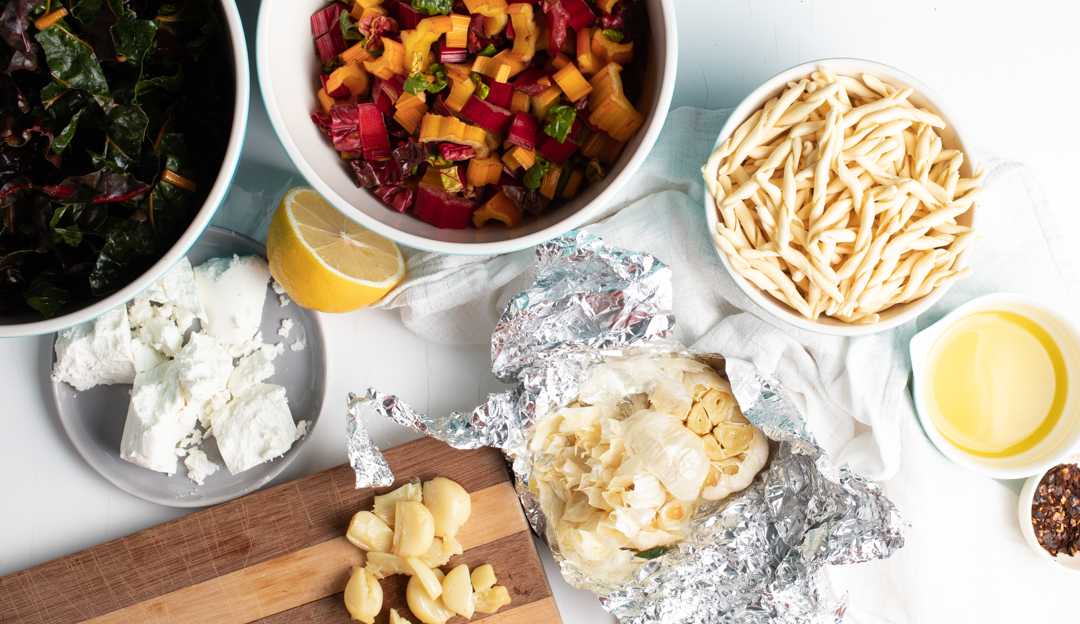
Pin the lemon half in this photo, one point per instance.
(324, 260)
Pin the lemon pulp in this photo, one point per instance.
(996, 384)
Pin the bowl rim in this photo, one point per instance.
(919, 348)
(1026, 498)
(241, 104)
(571, 222)
(754, 101)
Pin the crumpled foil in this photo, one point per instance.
(367, 462)
(757, 556)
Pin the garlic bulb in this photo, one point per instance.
(622, 468)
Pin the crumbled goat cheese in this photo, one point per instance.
(254, 427)
(233, 291)
(146, 356)
(153, 428)
(254, 368)
(286, 325)
(302, 428)
(300, 342)
(199, 466)
(178, 289)
(283, 301)
(204, 367)
(96, 352)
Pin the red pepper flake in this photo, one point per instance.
(1055, 510)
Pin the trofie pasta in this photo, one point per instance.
(838, 198)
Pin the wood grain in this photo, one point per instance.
(278, 553)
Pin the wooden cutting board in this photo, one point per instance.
(280, 556)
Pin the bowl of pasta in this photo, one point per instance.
(841, 198)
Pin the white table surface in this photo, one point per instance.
(1007, 69)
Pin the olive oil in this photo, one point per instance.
(995, 384)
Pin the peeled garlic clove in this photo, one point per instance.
(457, 591)
(363, 596)
(432, 585)
(385, 504)
(414, 530)
(449, 504)
(367, 531)
(483, 577)
(383, 565)
(427, 609)
(395, 618)
(491, 599)
(441, 551)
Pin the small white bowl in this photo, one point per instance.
(1066, 433)
(923, 97)
(1027, 497)
(233, 31)
(288, 77)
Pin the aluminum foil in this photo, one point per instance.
(367, 462)
(757, 556)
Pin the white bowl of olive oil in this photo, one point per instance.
(992, 385)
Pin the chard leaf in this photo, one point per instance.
(53, 92)
(131, 36)
(13, 24)
(128, 240)
(45, 297)
(63, 139)
(652, 553)
(71, 235)
(560, 120)
(72, 61)
(127, 128)
(86, 11)
(192, 21)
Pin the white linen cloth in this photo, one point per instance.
(965, 559)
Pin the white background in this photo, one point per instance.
(1008, 70)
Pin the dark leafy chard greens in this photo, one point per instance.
(114, 120)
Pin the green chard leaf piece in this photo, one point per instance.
(193, 21)
(416, 84)
(652, 553)
(534, 177)
(131, 35)
(63, 139)
(45, 297)
(440, 81)
(86, 11)
(348, 28)
(127, 241)
(594, 171)
(560, 119)
(72, 61)
(488, 50)
(614, 35)
(433, 7)
(127, 129)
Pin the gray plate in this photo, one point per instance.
(94, 419)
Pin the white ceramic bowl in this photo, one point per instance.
(288, 72)
(27, 325)
(1027, 497)
(923, 97)
(1066, 433)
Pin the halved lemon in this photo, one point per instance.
(325, 261)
